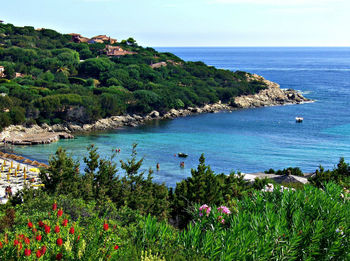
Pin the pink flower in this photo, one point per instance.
(204, 208)
(221, 219)
(224, 210)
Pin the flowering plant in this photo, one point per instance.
(56, 237)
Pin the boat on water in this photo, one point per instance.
(299, 119)
(182, 155)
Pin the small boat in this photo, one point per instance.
(182, 155)
(299, 119)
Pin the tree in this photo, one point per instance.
(131, 41)
(62, 176)
(17, 115)
(139, 192)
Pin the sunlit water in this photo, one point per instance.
(248, 140)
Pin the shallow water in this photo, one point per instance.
(248, 140)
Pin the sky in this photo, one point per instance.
(192, 22)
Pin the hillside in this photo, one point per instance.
(48, 77)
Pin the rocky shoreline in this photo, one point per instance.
(273, 95)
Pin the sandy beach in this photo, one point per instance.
(17, 174)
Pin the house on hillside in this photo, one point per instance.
(2, 71)
(116, 51)
(158, 65)
(1, 21)
(77, 38)
(102, 39)
(18, 75)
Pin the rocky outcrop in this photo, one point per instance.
(271, 96)
(19, 135)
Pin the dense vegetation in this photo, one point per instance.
(288, 171)
(106, 213)
(64, 81)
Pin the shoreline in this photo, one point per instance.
(273, 95)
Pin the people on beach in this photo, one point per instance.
(8, 192)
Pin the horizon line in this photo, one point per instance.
(251, 46)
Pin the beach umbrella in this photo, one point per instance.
(5, 155)
(20, 158)
(18, 166)
(12, 156)
(11, 164)
(27, 161)
(8, 176)
(4, 163)
(15, 172)
(43, 165)
(35, 163)
(286, 179)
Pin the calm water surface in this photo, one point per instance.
(246, 140)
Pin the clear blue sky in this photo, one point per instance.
(192, 22)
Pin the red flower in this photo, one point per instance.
(20, 246)
(47, 229)
(43, 250)
(71, 230)
(0, 244)
(116, 247)
(65, 222)
(34, 230)
(41, 224)
(27, 252)
(105, 227)
(59, 212)
(38, 238)
(38, 253)
(59, 241)
(15, 243)
(54, 206)
(78, 238)
(21, 236)
(59, 256)
(27, 241)
(30, 224)
(57, 229)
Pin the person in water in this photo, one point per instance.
(182, 164)
(158, 167)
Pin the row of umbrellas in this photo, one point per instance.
(24, 160)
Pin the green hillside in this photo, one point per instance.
(53, 78)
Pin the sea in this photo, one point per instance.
(246, 140)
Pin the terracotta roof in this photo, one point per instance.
(117, 51)
(158, 65)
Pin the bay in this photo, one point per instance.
(247, 140)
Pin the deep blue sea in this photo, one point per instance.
(249, 140)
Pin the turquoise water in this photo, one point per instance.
(247, 140)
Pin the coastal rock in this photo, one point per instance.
(19, 135)
(75, 128)
(154, 114)
(271, 96)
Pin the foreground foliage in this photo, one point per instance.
(291, 225)
(101, 214)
